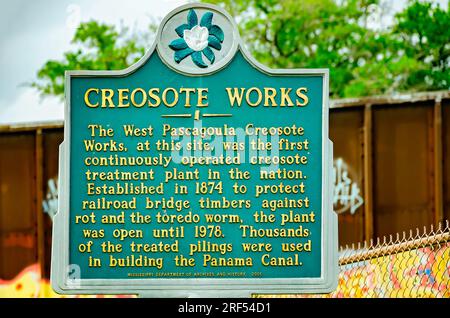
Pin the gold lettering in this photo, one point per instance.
(107, 95)
(133, 97)
(153, 93)
(188, 92)
(175, 97)
(86, 97)
(123, 97)
(235, 96)
(269, 94)
(303, 96)
(202, 97)
(285, 97)
(258, 100)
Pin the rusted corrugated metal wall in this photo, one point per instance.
(28, 161)
(390, 161)
(395, 150)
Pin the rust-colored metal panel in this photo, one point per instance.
(52, 139)
(17, 203)
(346, 133)
(446, 156)
(403, 168)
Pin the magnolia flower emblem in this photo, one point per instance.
(197, 39)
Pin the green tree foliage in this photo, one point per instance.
(410, 55)
(424, 31)
(336, 34)
(100, 47)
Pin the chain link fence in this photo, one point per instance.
(414, 264)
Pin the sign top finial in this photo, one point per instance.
(197, 39)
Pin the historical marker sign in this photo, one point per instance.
(196, 172)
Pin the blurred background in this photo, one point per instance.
(389, 120)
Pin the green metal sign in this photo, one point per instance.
(196, 172)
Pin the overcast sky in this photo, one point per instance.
(32, 32)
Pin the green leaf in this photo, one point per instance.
(192, 18)
(197, 59)
(178, 44)
(214, 42)
(206, 20)
(217, 32)
(182, 54)
(181, 28)
(209, 54)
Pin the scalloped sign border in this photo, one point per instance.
(62, 278)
